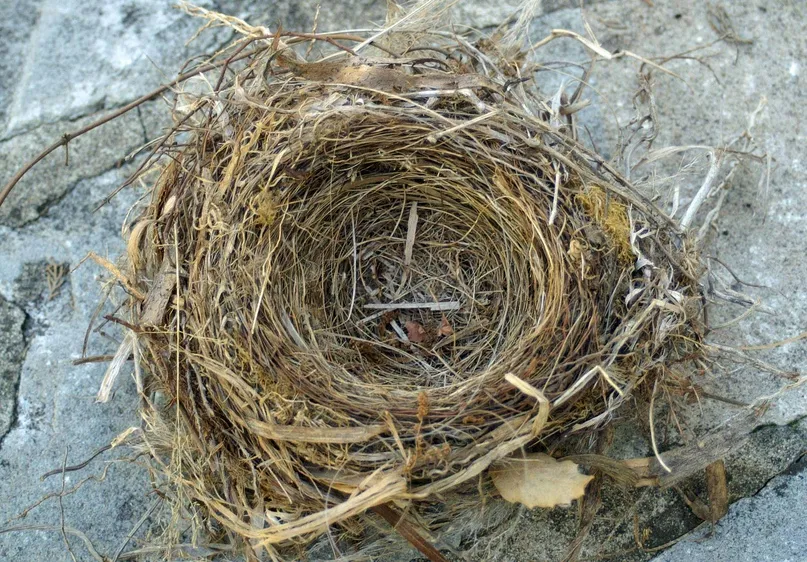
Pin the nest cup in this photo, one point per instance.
(370, 279)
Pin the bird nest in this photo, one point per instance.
(360, 282)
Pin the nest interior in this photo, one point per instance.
(343, 262)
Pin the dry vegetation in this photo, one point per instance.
(362, 280)
(370, 278)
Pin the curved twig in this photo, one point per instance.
(59, 529)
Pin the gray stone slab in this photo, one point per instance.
(81, 57)
(17, 21)
(56, 413)
(12, 347)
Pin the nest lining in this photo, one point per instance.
(353, 267)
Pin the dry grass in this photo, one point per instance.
(344, 259)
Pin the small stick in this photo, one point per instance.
(93, 359)
(96, 312)
(653, 431)
(75, 467)
(411, 232)
(143, 164)
(355, 264)
(226, 64)
(401, 335)
(134, 529)
(702, 193)
(465, 124)
(372, 317)
(61, 507)
(434, 306)
(124, 323)
(409, 532)
(553, 213)
(117, 273)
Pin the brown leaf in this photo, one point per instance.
(716, 488)
(414, 331)
(445, 328)
(539, 481)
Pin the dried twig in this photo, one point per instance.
(59, 529)
(409, 532)
(435, 306)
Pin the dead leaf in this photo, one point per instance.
(538, 480)
(415, 332)
(364, 75)
(445, 328)
(716, 488)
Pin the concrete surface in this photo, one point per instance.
(765, 527)
(67, 61)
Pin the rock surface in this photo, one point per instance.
(12, 346)
(67, 61)
(768, 526)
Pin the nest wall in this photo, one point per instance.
(342, 269)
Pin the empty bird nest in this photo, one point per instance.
(366, 283)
